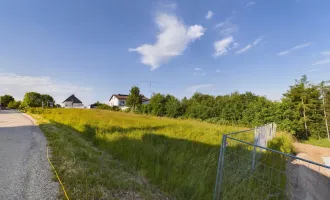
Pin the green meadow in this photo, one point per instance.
(169, 158)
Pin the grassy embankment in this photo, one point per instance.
(177, 156)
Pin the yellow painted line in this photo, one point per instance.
(59, 180)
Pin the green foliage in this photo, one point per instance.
(300, 112)
(14, 104)
(157, 104)
(282, 142)
(172, 107)
(134, 98)
(6, 99)
(47, 98)
(34, 99)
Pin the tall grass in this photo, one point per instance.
(324, 142)
(178, 156)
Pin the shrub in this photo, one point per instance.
(14, 104)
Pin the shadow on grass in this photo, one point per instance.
(187, 169)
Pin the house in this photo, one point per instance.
(72, 102)
(120, 100)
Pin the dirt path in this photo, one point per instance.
(24, 170)
(308, 181)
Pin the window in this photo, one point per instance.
(121, 103)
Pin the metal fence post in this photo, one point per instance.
(217, 187)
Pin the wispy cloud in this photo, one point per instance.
(195, 88)
(326, 53)
(322, 62)
(251, 3)
(313, 70)
(217, 71)
(172, 40)
(301, 46)
(18, 85)
(221, 47)
(198, 69)
(249, 46)
(209, 15)
(226, 28)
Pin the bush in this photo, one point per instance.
(23, 107)
(282, 142)
(14, 104)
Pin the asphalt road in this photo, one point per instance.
(24, 170)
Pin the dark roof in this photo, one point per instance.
(73, 99)
(124, 97)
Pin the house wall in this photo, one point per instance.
(68, 104)
(113, 101)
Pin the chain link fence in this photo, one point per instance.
(248, 169)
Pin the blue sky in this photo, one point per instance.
(96, 48)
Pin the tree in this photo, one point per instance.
(324, 90)
(157, 104)
(46, 99)
(32, 99)
(172, 106)
(14, 104)
(134, 98)
(6, 99)
(305, 98)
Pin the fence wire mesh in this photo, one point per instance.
(249, 170)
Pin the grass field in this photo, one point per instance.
(322, 142)
(157, 158)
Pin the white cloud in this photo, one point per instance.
(326, 53)
(172, 40)
(282, 53)
(313, 70)
(322, 62)
(195, 73)
(218, 70)
(17, 86)
(301, 46)
(198, 69)
(221, 47)
(168, 5)
(249, 46)
(226, 28)
(195, 88)
(251, 3)
(209, 15)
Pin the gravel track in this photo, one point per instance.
(24, 170)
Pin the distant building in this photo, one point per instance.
(72, 102)
(120, 100)
(92, 106)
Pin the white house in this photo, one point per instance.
(72, 102)
(120, 100)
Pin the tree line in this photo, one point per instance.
(303, 111)
(31, 99)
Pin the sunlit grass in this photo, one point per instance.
(178, 156)
(322, 142)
